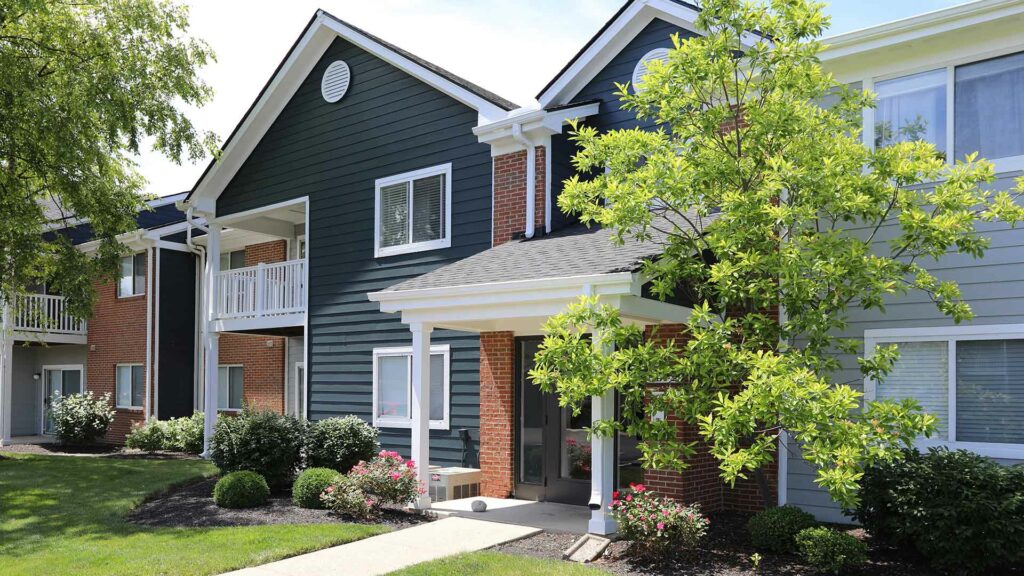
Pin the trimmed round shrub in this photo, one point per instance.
(185, 434)
(962, 511)
(242, 489)
(81, 418)
(150, 437)
(340, 443)
(262, 441)
(310, 485)
(829, 550)
(775, 529)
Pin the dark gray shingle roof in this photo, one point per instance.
(573, 251)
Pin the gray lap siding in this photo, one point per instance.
(388, 123)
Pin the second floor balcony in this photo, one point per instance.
(45, 318)
(261, 296)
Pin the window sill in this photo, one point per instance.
(412, 248)
(407, 424)
(1007, 451)
(130, 408)
(131, 296)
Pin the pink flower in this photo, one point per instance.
(661, 525)
(410, 464)
(639, 488)
(330, 489)
(615, 495)
(629, 497)
(395, 475)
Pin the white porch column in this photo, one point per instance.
(211, 337)
(6, 375)
(602, 477)
(421, 407)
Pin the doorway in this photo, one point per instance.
(552, 448)
(58, 381)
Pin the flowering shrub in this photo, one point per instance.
(386, 479)
(579, 459)
(81, 418)
(657, 526)
(344, 496)
(183, 434)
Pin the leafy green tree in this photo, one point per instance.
(763, 199)
(82, 85)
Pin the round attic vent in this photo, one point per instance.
(335, 81)
(641, 67)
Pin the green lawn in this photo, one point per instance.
(489, 563)
(65, 515)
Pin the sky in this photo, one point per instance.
(510, 48)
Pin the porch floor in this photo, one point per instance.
(548, 516)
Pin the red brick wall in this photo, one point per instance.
(117, 335)
(497, 413)
(509, 218)
(263, 365)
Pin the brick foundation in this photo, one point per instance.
(497, 413)
(509, 218)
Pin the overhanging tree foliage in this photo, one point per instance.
(763, 199)
(82, 84)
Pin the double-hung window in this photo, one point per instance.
(132, 278)
(412, 211)
(961, 109)
(232, 260)
(130, 386)
(970, 378)
(392, 387)
(230, 386)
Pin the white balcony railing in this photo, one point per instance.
(44, 313)
(262, 290)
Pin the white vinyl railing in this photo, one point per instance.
(44, 313)
(262, 290)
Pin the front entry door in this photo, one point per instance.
(58, 382)
(552, 448)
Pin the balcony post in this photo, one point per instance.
(261, 289)
(421, 408)
(211, 338)
(602, 458)
(6, 373)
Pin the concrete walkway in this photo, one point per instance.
(549, 516)
(395, 550)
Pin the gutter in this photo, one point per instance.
(199, 383)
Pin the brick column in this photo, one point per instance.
(509, 218)
(497, 413)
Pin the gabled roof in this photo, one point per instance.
(307, 50)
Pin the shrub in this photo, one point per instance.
(775, 529)
(242, 489)
(81, 418)
(340, 443)
(388, 479)
(344, 496)
(151, 436)
(960, 510)
(185, 434)
(310, 485)
(657, 526)
(829, 550)
(261, 441)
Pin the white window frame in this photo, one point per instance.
(445, 242)
(136, 290)
(951, 335)
(300, 247)
(229, 366)
(406, 422)
(117, 371)
(1006, 164)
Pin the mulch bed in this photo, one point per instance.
(97, 450)
(726, 552)
(192, 505)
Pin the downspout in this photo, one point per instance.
(531, 177)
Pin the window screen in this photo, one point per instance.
(990, 391)
(912, 108)
(922, 373)
(990, 108)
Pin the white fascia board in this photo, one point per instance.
(537, 289)
(917, 27)
(537, 125)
